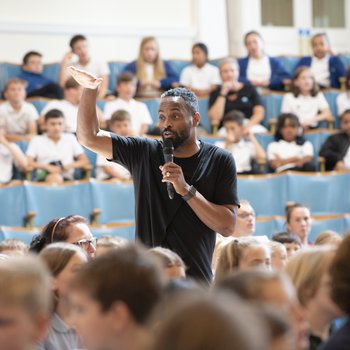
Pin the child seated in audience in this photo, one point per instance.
(113, 297)
(25, 302)
(328, 237)
(273, 289)
(126, 89)
(325, 67)
(13, 246)
(10, 156)
(244, 150)
(242, 254)
(246, 219)
(343, 99)
(298, 221)
(278, 255)
(335, 149)
(55, 154)
(309, 272)
(290, 241)
(17, 117)
(79, 47)
(154, 75)
(290, 151)
(107, 243)
(38, 84)
(120, 123)
(201, 77)
(69, 106)
(70, 229)
(173, 266)
(63, 261)
(305, 100)
(234, 95)
(339, 285)
(258, 68)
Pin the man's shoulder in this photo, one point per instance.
(215, 152)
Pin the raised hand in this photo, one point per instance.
(85, 79)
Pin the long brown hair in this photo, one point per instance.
(159, 69)
(295, 90)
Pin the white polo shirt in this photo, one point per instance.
(138, 110)
(259, 69)
(304, 107)
(45, 150)
(320, 70)
(16, 122)
(343, 103)
(6, 163)
(200, 78)
(243, 152)
(96, 68)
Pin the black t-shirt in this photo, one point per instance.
(161, 221)
(242, 100)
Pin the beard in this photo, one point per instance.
(178, 138)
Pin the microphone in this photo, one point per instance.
(168, 152)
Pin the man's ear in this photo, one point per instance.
(196, 119)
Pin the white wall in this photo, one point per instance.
(114, 27)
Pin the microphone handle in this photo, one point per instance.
(169, 158)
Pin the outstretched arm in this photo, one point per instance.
(88, 131)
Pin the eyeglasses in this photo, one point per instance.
(85, 243)
(245, 215)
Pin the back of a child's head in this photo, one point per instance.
(13, 245)
(167, 257)
(235, 117)
(126, 275)
(121, 115)
(286, 237)
(71, 83)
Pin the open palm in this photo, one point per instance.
(85, 79)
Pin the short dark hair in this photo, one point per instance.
(286, 237)
(347, 111)
(125, 275)
(120, 115)
(125, 77)
(188, 96)
(55, 231)
(75, 39)
(234, 116)
(202, 47)
(250, 33)
(53, 113)
(290, 206)
(323, 35)
(71, 83)
(292, 118)
(30, 54)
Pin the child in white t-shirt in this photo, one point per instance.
(290, 151)
(343, 99)
(244, 150)
(305, 100)
(201, 77)
(120, 124)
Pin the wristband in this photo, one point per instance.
(191, 193)
(223, 95)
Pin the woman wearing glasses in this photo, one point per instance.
(70, 229)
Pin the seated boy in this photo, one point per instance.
(243, 150)
(126, 89)
(17, 117)
(290, 241)
(38, 84)
(80, 47)
(336, 148)
(112, 298)
(25, 299)
(56, 153)
(120, 123)
(10, 156)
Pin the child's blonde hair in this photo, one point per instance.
(13, 244)
(111, 242)
(328, 237)
(13, 81)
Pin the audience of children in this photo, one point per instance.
(79, 47)
(305, 100)
(126, 89)
(242, 143)
(325, 67)
(290, 151)
(17, 116)
(234, 95)
(201, 77)
(291, 242)
(55, 154)
(259, 69)
(154, 75)
(335, 149)
(37, 83)
(343, 99)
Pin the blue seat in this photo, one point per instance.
(22, 233)
(345, 58)
(179, 65)
(126, 231)
(267, 194)
(269, 227)
(203, 110)
(101, 104)
(116, 201)
(13, 206)
(272, 104)
(320, 225)
(289, 63)
(51, 201)
(153, 106)
(92, 156)
(39, 104)
(317, 138)
(331, 97)
(115, 69)
(52, 71)
(325, 194)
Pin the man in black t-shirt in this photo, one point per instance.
(203, 177)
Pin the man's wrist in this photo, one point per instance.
(190, 193)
